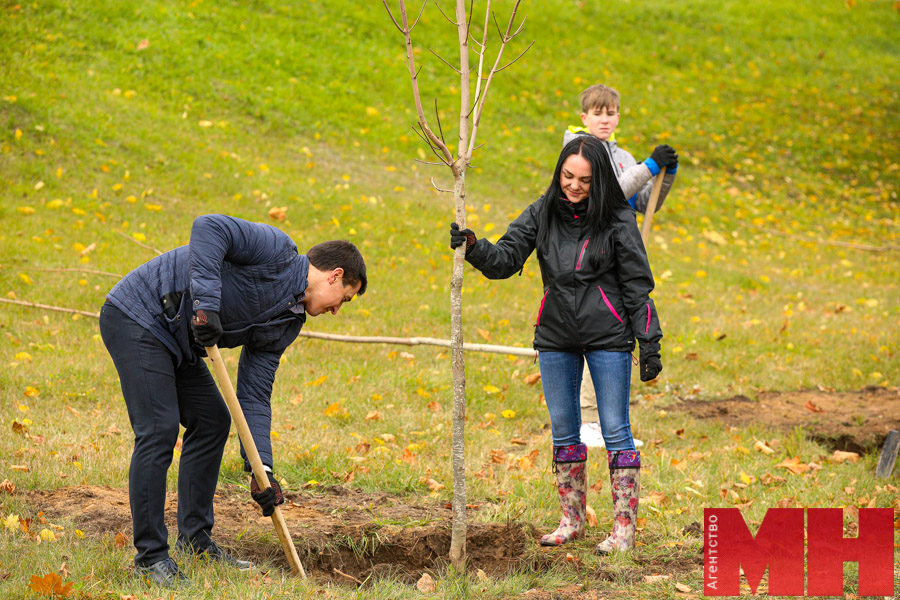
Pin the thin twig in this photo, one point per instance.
(444, 61)
(428, 162)
(434, 141)
(91, 271)
(391, 15)
(452, 22)
(49, 307)
(148, 247)
(439, 189)
(437, 115)
(504, 38)
(430, 145)
(416, 22)
(516, 58)
(351, 577)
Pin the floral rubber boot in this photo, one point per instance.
(569, 465)
(624, 477)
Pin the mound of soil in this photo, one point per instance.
(850, 421)
(340, 533)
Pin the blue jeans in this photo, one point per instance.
(561, 374)
(159, 397)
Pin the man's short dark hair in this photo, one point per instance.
(342, 254)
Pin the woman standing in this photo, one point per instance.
(596, 303)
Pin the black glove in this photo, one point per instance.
(457, 237)
(207, 327)
(270, 497)
(651, 364)
(664, 156)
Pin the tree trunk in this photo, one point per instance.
(458, 529)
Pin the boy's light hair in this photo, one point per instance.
(599, 96)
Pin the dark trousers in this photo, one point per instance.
(159, 396)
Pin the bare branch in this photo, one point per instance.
(499, 31)
(521, 27)
(479, 106)
(431, 146)
(439, 189)
(421, 10)
(471, 13)
(516, 58)
(454, 23)
(444, 61)
(428, 162)
(483, 45)
(437, 115)
(391, 15)
(432, 140)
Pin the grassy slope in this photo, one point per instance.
(781, 116)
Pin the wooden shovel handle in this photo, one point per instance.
(259, 471)
(651, 205)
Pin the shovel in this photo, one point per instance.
(651, 205)
(259, 472)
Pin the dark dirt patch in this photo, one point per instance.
(850, 421)
(342, 529)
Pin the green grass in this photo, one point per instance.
(783, 117)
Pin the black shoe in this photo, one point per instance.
(215, 553)
(164, 573)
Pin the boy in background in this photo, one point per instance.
(600, 117)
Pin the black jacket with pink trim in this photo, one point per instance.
(583, 308)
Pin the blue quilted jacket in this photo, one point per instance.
(252, 275)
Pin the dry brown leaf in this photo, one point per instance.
(51, 584)
(656, 497)
(684, 589)
(373, 415)
(121, 539)
(279, 213)
(656, 578)
(793, 465)
(518, 441)
(481, 575)
(425, 584)
(591, 516)
(812, 407)
(434, 406)
(7, 486)
(840, 456)
(533, 378)
(433, 485)
(22, 468)
(763, 447)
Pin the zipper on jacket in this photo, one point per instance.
(541, 309)
(580, 256)
(610, 306)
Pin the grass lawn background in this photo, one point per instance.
(784, 117)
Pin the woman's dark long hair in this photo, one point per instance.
(604, 197)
